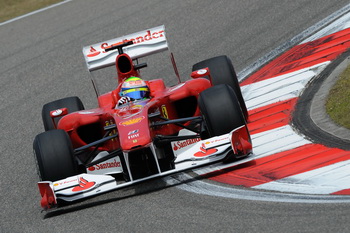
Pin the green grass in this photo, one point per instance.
(12, 8)
(338, 101)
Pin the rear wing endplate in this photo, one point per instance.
(146, 42)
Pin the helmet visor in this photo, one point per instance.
(136, 93)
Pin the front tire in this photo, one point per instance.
(221, 110)
(54, 155)
(222, 72)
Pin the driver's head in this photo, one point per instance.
(135, 88)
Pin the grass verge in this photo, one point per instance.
(13, 8)
(338, 100)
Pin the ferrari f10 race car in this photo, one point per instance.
(142, 129)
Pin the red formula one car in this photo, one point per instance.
(142, 129)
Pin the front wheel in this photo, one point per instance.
(222, 72)
(54, 155)
(221, 110)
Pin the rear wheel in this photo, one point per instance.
(221, 110)
(54, 155)
(223, 72)
(73, 104)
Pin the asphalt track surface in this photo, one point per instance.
(41, 60)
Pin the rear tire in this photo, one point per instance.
(73, 104)
(222, 72)
(221, 110)
(54, 155)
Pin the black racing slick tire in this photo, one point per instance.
(53, 151)
(221, 110)
(73, 104)
(223, 72)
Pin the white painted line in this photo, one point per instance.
(34, 12)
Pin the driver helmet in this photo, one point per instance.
(135, 88)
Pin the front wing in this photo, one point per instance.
(189, 154)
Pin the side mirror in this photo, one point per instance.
(58, 113)
(202, 73)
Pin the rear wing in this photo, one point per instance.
(146, 42)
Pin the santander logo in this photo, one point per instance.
(106, 165)
(205, 152)
(93, 52)
(83, 185)
(139, 39)
(182, 144)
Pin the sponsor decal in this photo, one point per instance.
(133, 136)
(182, 144)
(165, 112)
(140, 39)
(132, 121)
(93, 52)
(83, 185)
(105, 165)
(133, 132)
(134, 141)
(65, 182)
(218, 140)
(204, 151)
